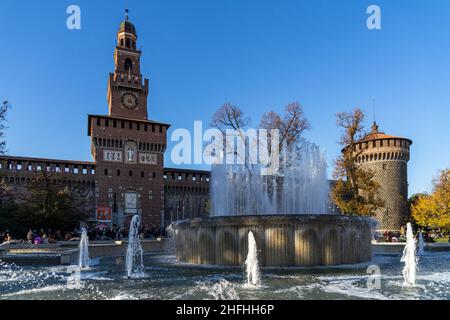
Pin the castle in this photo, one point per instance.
(387, 157)
(128, 177)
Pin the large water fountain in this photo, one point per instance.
(288, 213)
(300, 187)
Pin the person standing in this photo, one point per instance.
(30, 236)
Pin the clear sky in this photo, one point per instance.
(257, 54)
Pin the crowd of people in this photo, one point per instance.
(428, 236)
(95, 233)
(34, 236)
(105, 233)
(117, 233)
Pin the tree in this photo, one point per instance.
(264, 155)
(52, 205)
(3, 111)
(355, 190)
(229, 116)
(5, 188)
(290, 125)
(434, 210)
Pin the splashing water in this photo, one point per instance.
(74, 280)
(420, 245)
(223, 290)
(300, 186)
(409, 257)
(169, 241)
(134, 259)
(251, 263)
(83, 260)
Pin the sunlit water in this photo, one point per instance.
(167, 279)
(83, 260)
(420, 245)
(409, 257)
(134, 258)
(299, 187)
(251, 263)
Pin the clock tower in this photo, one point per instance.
(127, 91)
(127, 147)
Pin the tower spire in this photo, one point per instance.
(374, 110)
(127, 90)
(374, 125)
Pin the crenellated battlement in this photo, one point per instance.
(383, 150)
(387, 157)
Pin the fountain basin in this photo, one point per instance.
(282, 240)
(51, 255)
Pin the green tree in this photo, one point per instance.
(15, 218)
(355, 190)
(52, 205)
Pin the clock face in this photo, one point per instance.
(129, 100)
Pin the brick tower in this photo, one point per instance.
(387, 156)
(127, 147)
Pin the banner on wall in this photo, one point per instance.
(104, 214)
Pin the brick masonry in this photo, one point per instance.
(127, 174)
(387, 157)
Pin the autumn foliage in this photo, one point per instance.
(355, 190)
(434, 210)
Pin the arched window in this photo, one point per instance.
(127, 43)
(128, 65)
(121, 42)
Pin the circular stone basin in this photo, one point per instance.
(282, 240)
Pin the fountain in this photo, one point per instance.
(420, 245)
(134, 259)
(252, 262)
(409, 257)
(169, 241)
(300, 187)
(288, 213)
(283, 240)
(74, 280)
(83, 260)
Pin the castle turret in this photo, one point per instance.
(127, 90)
(387, 156)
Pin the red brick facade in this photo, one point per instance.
(127, 174)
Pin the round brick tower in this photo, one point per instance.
(387, 156)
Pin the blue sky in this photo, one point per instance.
(259, 55)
